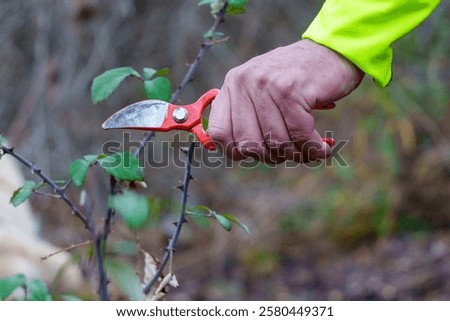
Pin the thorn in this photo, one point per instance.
(184, 150)
(191, 177)
(185, 221)
(175, 223)
(180, 187)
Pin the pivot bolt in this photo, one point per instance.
(180, 115)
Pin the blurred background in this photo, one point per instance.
(376, 229)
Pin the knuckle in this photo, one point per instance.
(235, 75)
(300, 138)
(283, 89)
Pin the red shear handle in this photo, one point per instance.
(203, 137)
(199, 106)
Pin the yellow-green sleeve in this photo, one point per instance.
(364, 30)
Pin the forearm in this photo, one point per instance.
(363, 31)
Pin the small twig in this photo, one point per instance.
(69, 248)
(65, 186)
(181, 219)
(56, 188)
(47, 194)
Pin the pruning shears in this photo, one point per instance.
(158, 115)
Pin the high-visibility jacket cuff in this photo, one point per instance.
(363, 31)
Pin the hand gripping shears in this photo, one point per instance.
(158, 115)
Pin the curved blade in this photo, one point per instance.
(146, 114)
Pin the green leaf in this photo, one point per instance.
(223, 221)
(78, 171)
(23, 193)
(37, 291)
(215, 5)
(79, 168)
(39, 185)
(236, 7)
(234, 219)
(124, 166)
(125, 278)
(133, 208)
(92, 158)
(201, 215)
(158, 88)
(162, 72)
(199, 210)
(2, 139)
(148, 73)
(204, 2)
(10, 283)
(205, 123)
(105, 84)
(208, 34)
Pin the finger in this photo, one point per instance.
(247, 130)
(273, 129)
(220, 125)
(300, 124)
(315, 148)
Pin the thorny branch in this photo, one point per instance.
(101, 238)
(97, 238)
(60, 191)
(181, 218)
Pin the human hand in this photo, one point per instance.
(264, 108)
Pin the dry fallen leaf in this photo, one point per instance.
(150, 267)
